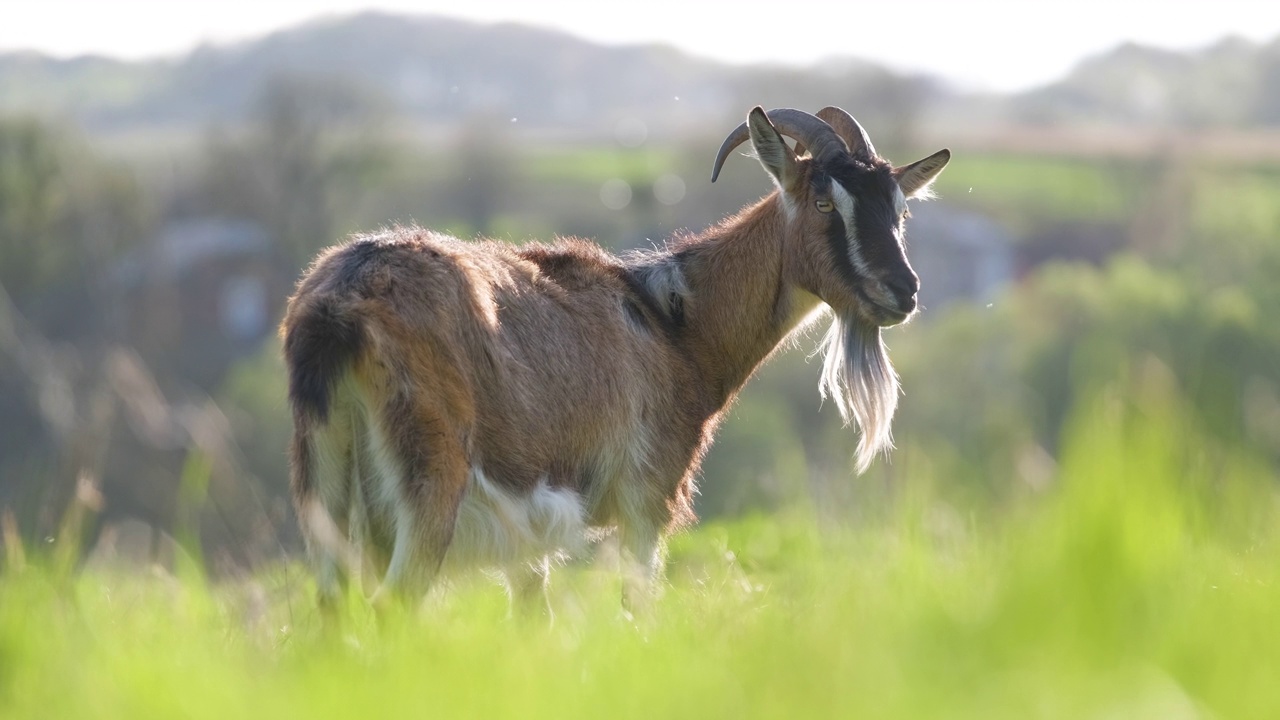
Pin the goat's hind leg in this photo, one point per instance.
(322, 473)
(424, 466)
(641, 557)
(527, 585)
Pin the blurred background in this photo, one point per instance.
(167, 172)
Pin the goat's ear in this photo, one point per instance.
(915, 179)
(772, 151)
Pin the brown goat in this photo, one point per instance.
(461, 404)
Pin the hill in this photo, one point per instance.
(1234, 83)
(434, 70)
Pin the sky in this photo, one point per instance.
(978, 44)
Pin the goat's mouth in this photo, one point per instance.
(883, 314)
(890, 317)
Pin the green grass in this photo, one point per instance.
(1023, 190)
(592, 163)
(1142, 582)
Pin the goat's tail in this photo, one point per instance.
(321, 342)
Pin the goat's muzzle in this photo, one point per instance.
(891, 301)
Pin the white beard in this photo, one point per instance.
(858, 377)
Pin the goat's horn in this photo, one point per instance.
(849, 130)
(806, 129)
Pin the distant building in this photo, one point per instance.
(206, 293)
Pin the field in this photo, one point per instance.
(1082, 518)
(1141, 582)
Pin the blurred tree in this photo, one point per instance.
(886, 103)
(1011, 373)
(32, 201)
(484, 166)
(254, 399)
(311, 146)
(65, 217)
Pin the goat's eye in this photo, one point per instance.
(825, 206)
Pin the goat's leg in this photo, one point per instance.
(322, 471)
(641, 559)
(527, 587)
(428, 466)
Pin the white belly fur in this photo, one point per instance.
(499, 528)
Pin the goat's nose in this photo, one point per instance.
(904, 287)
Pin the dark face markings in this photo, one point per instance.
(876, 218)
(837, 232)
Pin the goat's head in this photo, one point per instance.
(845, 210)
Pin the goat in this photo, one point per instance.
(460, 404)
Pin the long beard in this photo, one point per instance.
(856, 374)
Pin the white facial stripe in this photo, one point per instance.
(845, 206)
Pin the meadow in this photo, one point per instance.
(1140, 581)
(1081, 519)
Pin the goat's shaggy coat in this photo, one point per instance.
(473, 403)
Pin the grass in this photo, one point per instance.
(1023, 190)
(570, 165)
(1141, 583)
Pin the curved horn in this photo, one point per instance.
(806, 129)
(849, 130)
(736, 138)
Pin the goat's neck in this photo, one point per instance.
(740, 304)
